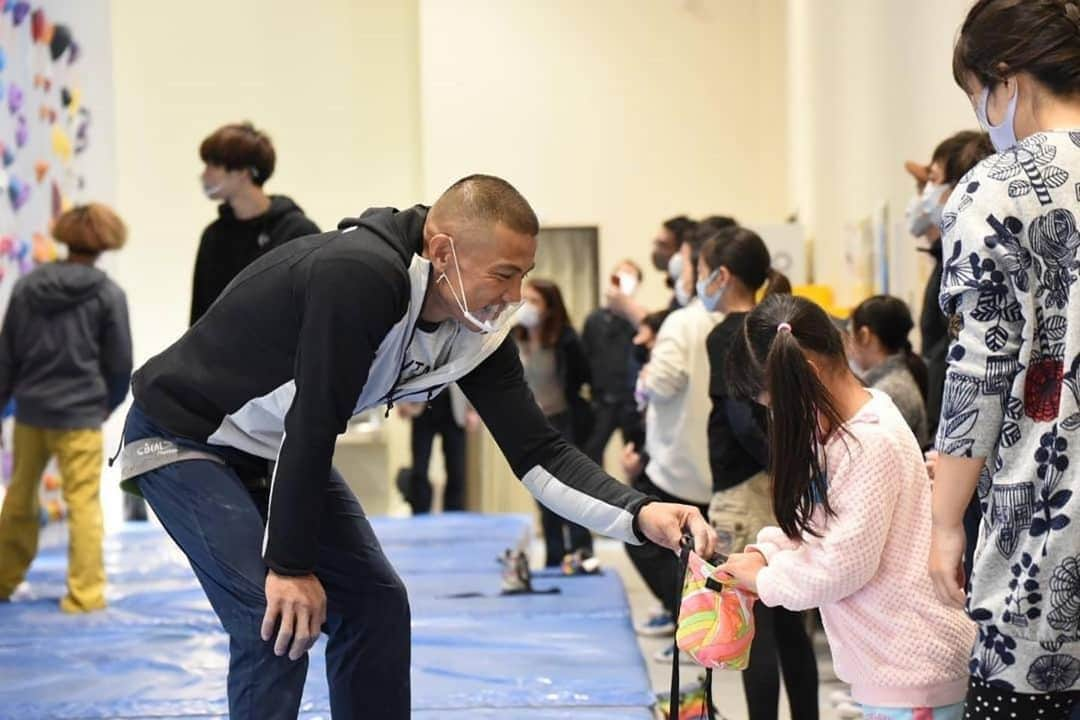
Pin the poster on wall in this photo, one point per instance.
(48, 129)
(787, 246)
(859, 262)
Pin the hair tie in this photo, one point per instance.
(783, 327)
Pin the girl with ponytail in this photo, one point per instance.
(883, 356)
(734, 266)
(852, 503)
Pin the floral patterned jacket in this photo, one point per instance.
(1012, 395)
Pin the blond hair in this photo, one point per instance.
(90, 229)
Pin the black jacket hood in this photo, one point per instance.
(280, 206)
(403, 230)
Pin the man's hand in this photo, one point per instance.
(744, 568)
(947, 546)
(666, 523)
(630, 460)
(300, 603)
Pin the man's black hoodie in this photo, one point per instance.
(229, 245)
(65, 347)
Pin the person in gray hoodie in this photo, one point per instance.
(65, 358)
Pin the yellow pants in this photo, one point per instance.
(80, 455)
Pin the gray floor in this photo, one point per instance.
(727, 686)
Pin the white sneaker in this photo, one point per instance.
(659, 624)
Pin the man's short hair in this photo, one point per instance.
(486, 200)
(240, 147)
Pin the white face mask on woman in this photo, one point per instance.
(529, 316)
(1002, 136)
(925, 211)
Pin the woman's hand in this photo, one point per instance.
(947, 545)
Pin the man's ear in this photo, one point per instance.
(439, 251)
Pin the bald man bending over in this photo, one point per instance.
(232, 433)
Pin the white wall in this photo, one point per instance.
(333, 82)
(612, 113)
(616, 113)
(869, 86)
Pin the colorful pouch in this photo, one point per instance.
(715, 625)
(716, 619)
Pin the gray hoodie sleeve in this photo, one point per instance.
(556, 473)
(116, 353)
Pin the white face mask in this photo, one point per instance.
(674, 267)
(529, 316)
(682, 295)
(212, 191)
(496, 315)
(1002, 136)
(925, 211)
(627, 283)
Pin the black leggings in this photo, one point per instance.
(985, 702)
(781, 645)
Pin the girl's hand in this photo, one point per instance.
(744, 568)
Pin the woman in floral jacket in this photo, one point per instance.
(1011, 414)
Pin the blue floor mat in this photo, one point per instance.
(158, 650)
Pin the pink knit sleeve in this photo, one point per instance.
(864, 482)
(771, 540)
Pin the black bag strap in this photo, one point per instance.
(686, 547)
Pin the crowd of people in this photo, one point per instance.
(922, 502)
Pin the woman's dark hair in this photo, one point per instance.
(1002, 37)
(745, 255)
(961, 152)
(556, 319)
(889, 318)
(240, 147)
(680, 227)
(772, 359)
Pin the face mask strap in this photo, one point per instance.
(463, 302)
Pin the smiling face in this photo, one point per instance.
(481, 271)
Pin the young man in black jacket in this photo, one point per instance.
(239, 160)
(392, 307)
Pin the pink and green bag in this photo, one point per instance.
(715, 625)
